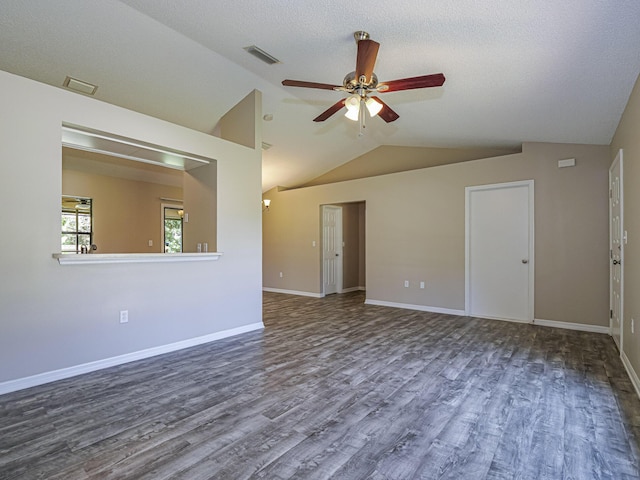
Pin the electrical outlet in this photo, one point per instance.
(280, 274)
(151, 243)
(124, 316)
(421, 284)
(406, 284)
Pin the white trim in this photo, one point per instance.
(353, 289)
(94, 258)
(572, 326)
(500, 319)
(408, 306)
(467, 245)
(292, 292)
(633, 376)
(52, 376)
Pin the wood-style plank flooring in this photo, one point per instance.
(336, 389)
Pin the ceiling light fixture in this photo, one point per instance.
(373, 106)
(352, 102)
(356, 104)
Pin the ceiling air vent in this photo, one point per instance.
(79, 86)
(262, 55)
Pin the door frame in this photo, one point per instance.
(467, 241)
(623, 241)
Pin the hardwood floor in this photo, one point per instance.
(336, 389)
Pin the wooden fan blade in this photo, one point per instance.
(299, 83)
(329, 111)
(424, 81)
(386, 113)
(367, 53)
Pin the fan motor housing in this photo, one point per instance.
(350, 82)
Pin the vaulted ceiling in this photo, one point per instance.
(545, 71)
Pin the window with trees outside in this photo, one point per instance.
(173, 229)
(77, 229)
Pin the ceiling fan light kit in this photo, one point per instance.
(360, 83)
(373, 106)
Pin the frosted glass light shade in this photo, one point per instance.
(352, 102)
(373, 106)
(353, 114)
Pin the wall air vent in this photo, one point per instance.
(266, 146)
(262, 55)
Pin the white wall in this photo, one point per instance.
(56, 317)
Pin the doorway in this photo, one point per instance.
(349, 242)
(499, 267)
(616, 251)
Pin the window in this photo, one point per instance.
(127, 180)
(173, 229)
(77, 232)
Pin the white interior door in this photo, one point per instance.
(331, 249)
(616, 250)
(499, 251)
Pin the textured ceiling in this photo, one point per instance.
(519, 71)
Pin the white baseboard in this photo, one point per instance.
(571, 326)
(353, 289)
(633, 376)
(52, 376)
(292, 292)
(408, 306)
(500, 319)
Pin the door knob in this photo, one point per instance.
(524, 260)
(616, 262)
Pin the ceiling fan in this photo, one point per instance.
(360, 83)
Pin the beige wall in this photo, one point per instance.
(238, 124)
(415, 231)
(627, 137)
(200, 207)
(362, 241)
(126, 213)
(376, 162)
